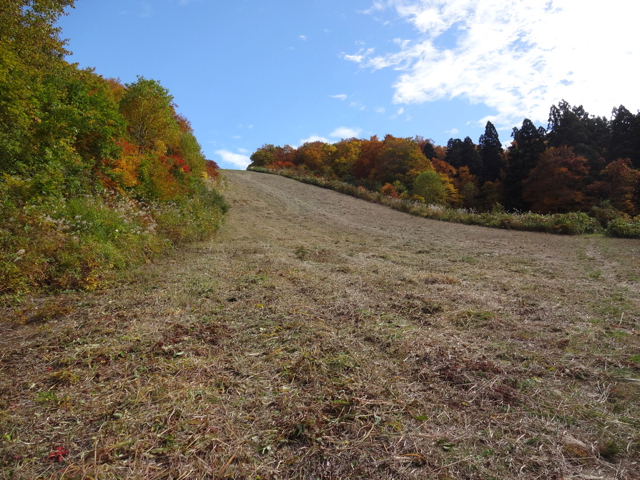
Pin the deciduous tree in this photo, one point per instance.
(556, 184)
(429, 186)
(148, 108)
(618, 184)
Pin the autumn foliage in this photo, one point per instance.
(571, 166)
(95, 174)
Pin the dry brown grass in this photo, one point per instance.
(320, 336)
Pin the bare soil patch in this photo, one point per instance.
(320, 336)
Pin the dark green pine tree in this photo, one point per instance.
(528, 144)
(588, 136)
(625, 136)
(464, 153)
(453, 155)
(428, 150)
(491, 152)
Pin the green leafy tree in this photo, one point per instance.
(264, 156)
(31, 52)
(345, 156)
(28, 28)
(148, 108)
(400, 159)
(429, 186)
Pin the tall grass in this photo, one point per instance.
(55, 243)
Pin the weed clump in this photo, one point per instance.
(79, 242)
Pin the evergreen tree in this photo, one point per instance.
(625, 136)
(454, 153)
(588, 136)
(429, 150)
(528, 144)
(464, 153)
(491, 154)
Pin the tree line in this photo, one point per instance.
(69, 129)
(96, 175)
(578, 162)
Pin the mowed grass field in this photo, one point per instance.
(322, 337)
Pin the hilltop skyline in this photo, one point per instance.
(249, 73)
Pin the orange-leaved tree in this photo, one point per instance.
(619, 183)
(556, 183)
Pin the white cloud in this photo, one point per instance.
(398, 113)
(453, 131)
(380, 109)
(516, 56)
(303, 38)
(315, 138)
(243, 151)
(353, 58)
(359, 56)
(345, 132)
(342, 96)
(236, 137)
(235, 159)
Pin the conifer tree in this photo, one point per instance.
(491, 154)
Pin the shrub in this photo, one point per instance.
(624, 227)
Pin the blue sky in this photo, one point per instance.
(250, 72)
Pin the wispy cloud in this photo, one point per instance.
(303, 38)
(398, 113)
(345, 132)
(516, 56)
(314, 138)
(342, 96)
(359, 56)
(235, 159)
(337, 135)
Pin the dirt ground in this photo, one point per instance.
(319, 336)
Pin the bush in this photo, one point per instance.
(624, 227)
(53, 243)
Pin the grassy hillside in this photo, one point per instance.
(320, 336)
